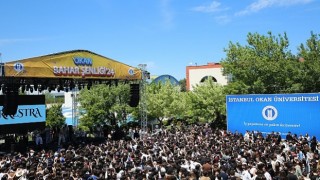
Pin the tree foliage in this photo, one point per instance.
(207, 102)
(55, 117)
(183, 85)
(104, 104)
(264, 65)
(163, 101)
(236, 87)
(51, 99)
(309, 68)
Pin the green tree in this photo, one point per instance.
(309, 64)
(51, 99)
(236, 87)
(104, 104)
(55, 117)
(264, 65)
(183, 85)
(207, 102)
(179, 106)
(163, 101)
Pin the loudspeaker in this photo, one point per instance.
(10, 104)
(134, 95)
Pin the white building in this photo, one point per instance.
(197, 74)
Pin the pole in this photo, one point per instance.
(1, 65)
(143, 100)
(74, 108)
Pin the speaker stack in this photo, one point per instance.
(10, 101)
(134, 95)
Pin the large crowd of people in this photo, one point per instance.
(193, 152)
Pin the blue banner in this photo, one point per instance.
(25, 114)
(283, 113)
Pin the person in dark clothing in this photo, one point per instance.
(278, 138)
(136, 134)
(223, 174)
(291, 175)
(289, 136)
(313, 143)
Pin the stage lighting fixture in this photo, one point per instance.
(43, 87)
(35, 86)
(72, 85)
(89, 85)
(49, 89)
(79, 87)
(23, 88)
(108, 83)
(59, 88)
(28, 87)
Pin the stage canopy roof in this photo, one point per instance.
(77, 64)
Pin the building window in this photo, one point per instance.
(208, 77)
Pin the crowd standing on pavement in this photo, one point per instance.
(187, 152)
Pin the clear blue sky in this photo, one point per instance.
(167, 35)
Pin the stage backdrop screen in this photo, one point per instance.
(283, 113)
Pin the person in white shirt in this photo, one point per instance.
(245, 175)
(280, 158)
(266, 173)
(253, 172)
(186, 165)
(307, 137)
(273, 162)
(247, 136)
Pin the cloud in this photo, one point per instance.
(214, 6)
(263, 4)
(224, 19)
(10, 41)
(18, 40)
(166, 13)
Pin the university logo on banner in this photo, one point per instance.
(18, 67)
(269, 113)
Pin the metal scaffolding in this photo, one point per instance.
(143, 99)
(74, 108)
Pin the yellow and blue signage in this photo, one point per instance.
(266, 113)
(77, 64)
